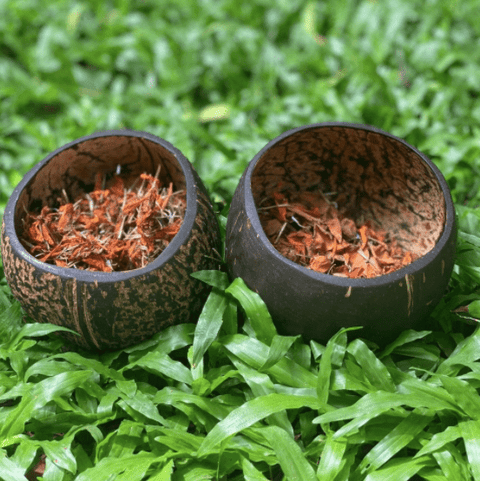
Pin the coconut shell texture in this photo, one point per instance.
(375, 176)
(118, 309)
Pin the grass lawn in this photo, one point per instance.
(219, 79)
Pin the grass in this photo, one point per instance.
(219, 79)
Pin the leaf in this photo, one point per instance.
(213, 278)
(403, 433)
(9, 470)
(404, 337)
(38, 330)
(290, 456)
(179, 441)
(39, 395)
(278, 349)
(173, 397)
(399, 469)
(163, 365)
(261, 385)
(373, 369)
(209, 324)
(130, 468)
(471, 436)
(466, 352)
(126, 440)
(250, 413)
(373, 404)
(10, 320)
(439, 440)
(165, 474)
(60, 453)
(143, 405)
(255, 309)
(250, 472)
(255, 354)
(333, 355)
(332, 459)
(166, 341)
(449, 465)
(464, 394)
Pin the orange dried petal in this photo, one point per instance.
(363, 235)
(320, 264)
(335, 228)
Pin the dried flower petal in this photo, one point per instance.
(105, 230)
(326, 240)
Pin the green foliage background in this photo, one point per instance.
(219, 79)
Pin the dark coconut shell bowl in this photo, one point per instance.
(112, 310)
(378, 178)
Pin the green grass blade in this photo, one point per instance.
(213, 278)
(374, 370)
(332, 459)
(336, 347)
(423, 394)
(255, 309)
(60, 452)
(467, 351)
(166, 341)
(37, 330)
(403, 433)
(39, 395)
(179, 441)
(10, 320)
(10, 471)
(471, 436)
(439, 440)
(464, 394)
(369, 406)
(173, 397)
(127, 437)
(142, 404)
(165, 474)
(129, 468)
(163, 365)
(449, 466)
(290, 456)
(255, 354)
(250, 472)
(261, 385)
(250, 413)
(400, 469)
(209, 324)
(404, 338)
(278, 349)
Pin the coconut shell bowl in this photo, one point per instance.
(112, 310)
(373, 182)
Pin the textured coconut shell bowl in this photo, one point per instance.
(376, 177)
(111, 310)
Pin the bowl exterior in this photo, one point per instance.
(114, 310)
(316, 305)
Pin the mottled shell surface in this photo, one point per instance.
(381, 178)
(112, 310)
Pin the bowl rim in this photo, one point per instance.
(103, 277)
(385, 279)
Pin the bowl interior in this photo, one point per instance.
(373, 176)
(75, 168)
